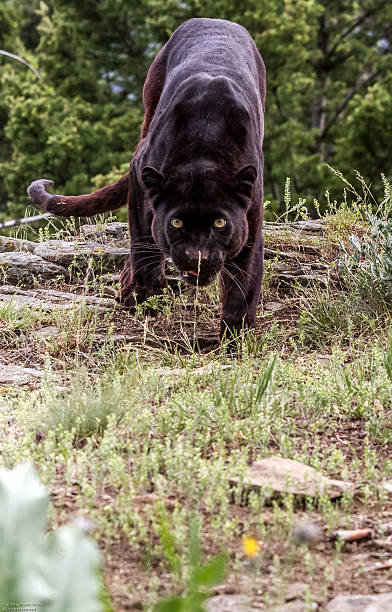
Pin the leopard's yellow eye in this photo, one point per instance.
(219, 223)
(176, 223)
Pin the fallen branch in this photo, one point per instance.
(379, 566)
(25, 220)
(351, 535)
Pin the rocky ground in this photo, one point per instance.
(57, 274)
(47, 279)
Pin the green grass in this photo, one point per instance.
(135, 431)
(15, 320)
(146, 441)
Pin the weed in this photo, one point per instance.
(293, 212)
(201, 579)
(368, 265)
(86, 409)
(329, 318)
(15, 320)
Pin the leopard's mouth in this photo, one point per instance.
(187, 272)
(199, 279)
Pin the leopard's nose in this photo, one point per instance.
(196, 254)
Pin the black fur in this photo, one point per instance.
(199, 161)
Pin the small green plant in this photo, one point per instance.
(369, 262)
(14, 319)
(329, 318)
(297, 210)
(201, 578)
(58, 573)
(387, 358)
(87, 408)
(156, 304)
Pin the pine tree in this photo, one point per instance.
(328, 83)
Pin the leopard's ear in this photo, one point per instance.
(245, 179)
(152, 179)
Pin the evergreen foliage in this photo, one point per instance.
(328, 98)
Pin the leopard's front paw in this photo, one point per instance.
(136, 295)
(232, 327)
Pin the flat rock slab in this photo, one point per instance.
(306, 274)
(361, 603)
(312, 225)
(285, 282)
(9, 245)
(387, 487)
(109, 233)
(244, 603)
(79, 254)
(276, 254)
(16, 375)
(48, 299)
(228, 603)
(27, 269)
(46, 333)
(287, 476)
(273, 306)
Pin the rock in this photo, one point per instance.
(306, 274)
(352, 535)
(228, 603)
(287, 476)
(245, 603)
(207, 369)
(27, 269)
(387, 487)
(313, 225)
(361, 603)
(48, 299)
(110, 278)
(275, 254)
(273, 306)
(119, 339)
(286, 281)
(306, 533)
(16, 375)
(297, 605)
(79, 254)
(9, 245)
(108, 291)
(108, 232)
(295, 590)
(46, 333)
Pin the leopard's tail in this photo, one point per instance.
(103, 200)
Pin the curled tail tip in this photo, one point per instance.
(37, 191)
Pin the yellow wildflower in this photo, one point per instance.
(250, 546)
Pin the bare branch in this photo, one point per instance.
(354, 25)
(16, 222)
(20, 59)
(363, 79)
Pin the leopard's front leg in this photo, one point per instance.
(241, 285)
(143, 274)
(142, 277)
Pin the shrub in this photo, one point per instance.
(57, 573)
(369, 265)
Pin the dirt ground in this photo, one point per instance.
(193, 326)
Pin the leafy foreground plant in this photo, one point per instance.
(369, 265)
(201, 577)
(58, 574)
